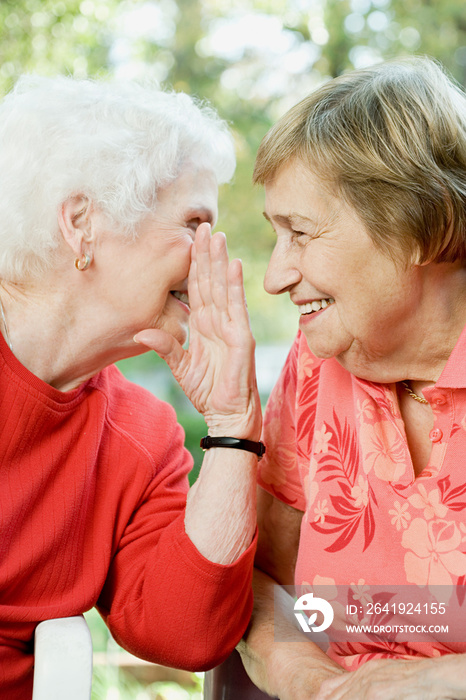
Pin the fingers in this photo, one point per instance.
(200, 239)
(201, 260)
(237, 306)
(219, 271)
(213, 281)
(164, 344)
(209, 269)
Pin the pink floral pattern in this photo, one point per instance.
(360, 492)
(306, 365)
(365, 411)
(320, 511)
(337, 450)
(434, 556)
(322, 438)
(353, 503)
(429, 502)
(401, 515)
(383, 450)
(463, 422)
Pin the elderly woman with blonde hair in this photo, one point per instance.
(363, 483)
(107, 196)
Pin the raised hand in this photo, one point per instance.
(217, 371)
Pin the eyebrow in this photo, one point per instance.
(292, 219)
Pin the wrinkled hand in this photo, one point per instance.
(440, 678)
(296, 677)
(217, 371)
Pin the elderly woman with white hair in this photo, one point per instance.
(107, 196)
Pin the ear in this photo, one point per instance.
(75, 223)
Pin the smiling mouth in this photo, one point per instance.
(313, 306)
(182, 296)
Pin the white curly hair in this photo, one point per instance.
(115, 143)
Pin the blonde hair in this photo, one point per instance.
(391, 140)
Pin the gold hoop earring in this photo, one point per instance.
(83, 263)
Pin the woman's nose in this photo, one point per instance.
(281, 272)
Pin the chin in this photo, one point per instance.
(320, 352)
(326, 352)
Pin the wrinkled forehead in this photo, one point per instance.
(194, 194)
(296, 191)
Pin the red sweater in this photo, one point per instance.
(92, 492)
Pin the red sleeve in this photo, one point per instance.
(278, 470)
(163, 601)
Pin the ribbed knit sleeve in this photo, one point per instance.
(163, 600)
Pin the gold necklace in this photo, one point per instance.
(414, 396)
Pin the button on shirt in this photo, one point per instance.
(436, 435)
(337, 450)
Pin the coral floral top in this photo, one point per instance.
(337, 450)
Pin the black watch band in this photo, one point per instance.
(249, 445)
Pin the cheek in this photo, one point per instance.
(171, 266)
(180, 255)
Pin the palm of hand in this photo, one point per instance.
(216, 371)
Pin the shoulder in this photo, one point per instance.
(312, 375)
(137, 418)
(289, 414)
(300, 368)
(130, 405)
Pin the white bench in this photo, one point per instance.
(62, 660)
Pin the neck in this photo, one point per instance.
(424, 340)
(60, 336)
